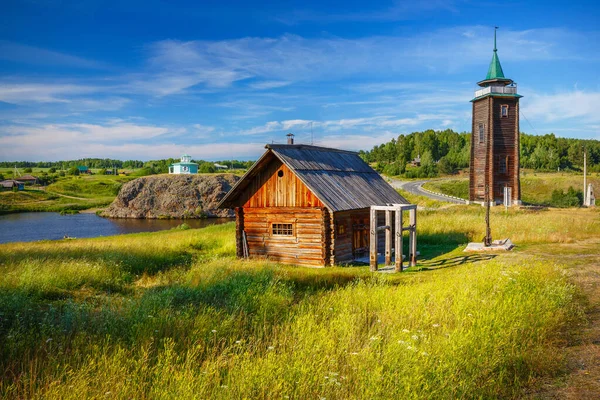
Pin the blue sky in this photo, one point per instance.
(153, 79)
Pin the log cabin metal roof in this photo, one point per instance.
(339, 178)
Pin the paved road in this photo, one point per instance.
(414, 187)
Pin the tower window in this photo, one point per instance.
(504, 110)
(502, 166)
(481, 133)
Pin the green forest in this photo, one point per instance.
(447, 151)
(153, 166)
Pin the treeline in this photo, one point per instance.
(153, 166)
(447, 151)
(95, 163)
(444, 151)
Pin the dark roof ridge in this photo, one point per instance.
(308, 146)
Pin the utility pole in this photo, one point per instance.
(584, 177)
(487, 240)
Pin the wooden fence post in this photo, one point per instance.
(373, 241)
(398, 244)
(388, 238)
(413, 237)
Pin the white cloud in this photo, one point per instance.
(120, 140)
(576, 104)
(273, 62)
(23, 93)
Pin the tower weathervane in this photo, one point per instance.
(495, 29)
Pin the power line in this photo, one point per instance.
(529, 123)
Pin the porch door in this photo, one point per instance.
(360, 238)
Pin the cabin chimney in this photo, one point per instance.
(290, 138)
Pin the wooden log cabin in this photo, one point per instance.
(307, 205)
(495, 137)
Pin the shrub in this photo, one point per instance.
(52, 170)
(445, 167)
(394, 169)
(28, 170)
(572, 198)
(206, 167)
(73, 171)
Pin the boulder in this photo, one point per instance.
(172, 196)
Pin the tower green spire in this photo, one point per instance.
(495, 70)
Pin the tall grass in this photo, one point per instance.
(175, 315)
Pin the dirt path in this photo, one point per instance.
(70, 197)
(583, 349)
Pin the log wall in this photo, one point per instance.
(306, 246)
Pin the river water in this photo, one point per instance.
(28, 227)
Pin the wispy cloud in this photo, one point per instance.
(276, 62)
(21, 53)
(23, 93)
(569, 105)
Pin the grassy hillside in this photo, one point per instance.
(175, 315)
(90, 186)
(38, 200)
(67, 194)
(536, 188)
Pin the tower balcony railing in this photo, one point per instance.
(496, 89)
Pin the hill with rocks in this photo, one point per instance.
(172, 196)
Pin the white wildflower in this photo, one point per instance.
(405, 331)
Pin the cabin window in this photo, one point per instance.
(481, 133)
(504, 110)
(282, 230)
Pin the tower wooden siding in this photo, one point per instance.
(500, 145)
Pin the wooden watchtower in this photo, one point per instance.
(495, 137)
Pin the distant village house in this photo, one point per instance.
(28, 179)
(11, 184)
(186, 166)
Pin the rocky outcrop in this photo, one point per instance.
(172, 196)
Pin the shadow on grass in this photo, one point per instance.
(454, 261)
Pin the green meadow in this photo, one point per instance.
(68, 194)
(536, 187)
(175, 315)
